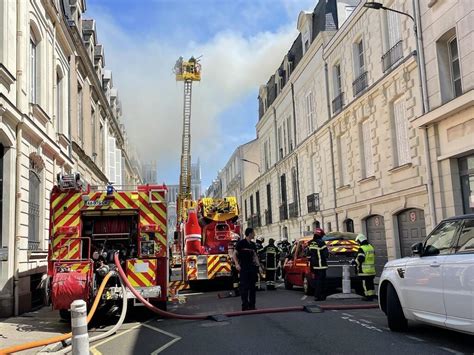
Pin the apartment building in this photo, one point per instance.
(59, 113)
(337, 145)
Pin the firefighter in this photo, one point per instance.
(259, 243)
(284, 246)
(233, 271)
(318, 254)
(246, 262)
(271, 257)
(365, 262)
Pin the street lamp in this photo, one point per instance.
(377, 6)
(251, 162)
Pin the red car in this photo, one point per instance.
(342, 249)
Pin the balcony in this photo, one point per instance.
(283, 212)
(268, 217)
(392, 56)
(313, 202)
(338, 103)
(33, 246)
(293, 210)
(360, 84)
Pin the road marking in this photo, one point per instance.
(451, 350)
(175, 337)
(94, 351)
(367, 326)
(116, 336)
(414, 338)
(191, 294)
(366, 321)
(304, 297)
(347, 314)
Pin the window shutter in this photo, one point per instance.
(393, 24)
(118, 167)
(112, 163)
(401, 132)
(367, 145)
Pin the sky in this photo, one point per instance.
(242, 43)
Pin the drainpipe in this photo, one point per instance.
(331, 144)
(16, 255)
(296, 155)
(420, 56)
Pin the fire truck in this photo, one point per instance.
(88, 226)
(205, 239)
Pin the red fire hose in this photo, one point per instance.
(229, 314)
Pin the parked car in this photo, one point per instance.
(436, 284)
(342, 249)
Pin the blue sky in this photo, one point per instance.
(242, 43)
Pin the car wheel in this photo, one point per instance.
(288, 285)
(308, 290)
(396, 319)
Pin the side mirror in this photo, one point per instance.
(417, 249)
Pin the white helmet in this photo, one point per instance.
(360, 238)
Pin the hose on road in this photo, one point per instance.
(166, 314)
(59, 338)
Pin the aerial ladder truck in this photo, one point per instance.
(205, 227)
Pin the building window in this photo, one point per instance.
(101, 144)
(112, 164)
(401, 134)
(94, 136)
(290, 134)
(33, 69)
(349, 225)
(257, 203)
(280, 143)
(246, 210)
(251, 206)
(454, 66)
(393, 39)
(338, 101)
(269, 197)
(366, 150)
(59, 101)
(2, 152)
(310, 112)
(294, 184)
(34, 206)
(343, 160)
(466, 172)
(265, 155)
(283, 189)
(359, 58)
(80, 114)
(118, 167)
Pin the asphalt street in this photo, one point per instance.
(329, 332)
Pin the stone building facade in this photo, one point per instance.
(59, 113)
(338, 143)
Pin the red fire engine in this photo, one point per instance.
(88, 226)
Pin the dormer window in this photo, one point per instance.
(304, 26)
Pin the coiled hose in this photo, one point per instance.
(59, 338)
(229, 314)
(111, 331)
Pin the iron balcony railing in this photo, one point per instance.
(293, 210)
(254, 221)
(284, 211)
(338, 103)
(268, 217)
(313, 202)
(33, 246)
(392, 56)
(360, 84)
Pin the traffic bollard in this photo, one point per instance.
(80, 337)
(346, 279)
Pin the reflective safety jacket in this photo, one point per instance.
(366, 260)
(318, 253)
(271, 256)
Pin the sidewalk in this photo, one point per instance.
(37, 325)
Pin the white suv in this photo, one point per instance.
(436, 285)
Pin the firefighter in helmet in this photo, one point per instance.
(365, 262)
(284, 246)
(271, 257)
(259, 243)
(234, 273)
(318, 254)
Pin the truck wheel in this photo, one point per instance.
(288, 285)
(396, 319)
(65, 314)
(308, 290)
